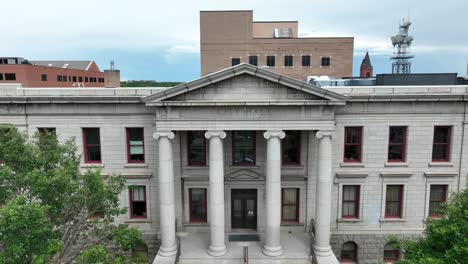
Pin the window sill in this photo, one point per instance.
(292, 167)
(236, 167)
(352, 164)
(394, 220)
(396, 164)
(138, 221)
(196, 224)
(92, 165)
(193, 167)
(136, 165)
(440, 164)
(291, 224)
(349, 220)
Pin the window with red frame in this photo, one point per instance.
(137, 201)
(350, 206)
(391, 253)
(441, 143)
(92, 145)
(394, 201)
(196, 148)
(243, 148)
(135, 145)
(353, 144)
(349, 252)
(437, 197)
(290, 205)
(291, 148)
(397, 144)
(197, 205)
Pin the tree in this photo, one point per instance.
(445, 240)
(51, 212)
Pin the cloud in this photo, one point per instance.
(178, 52)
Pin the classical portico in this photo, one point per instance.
(247, 98)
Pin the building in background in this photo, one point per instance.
(54, 73)
(228, 38)
(366, 69)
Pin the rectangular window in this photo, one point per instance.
(1, 76)
(353, 144)
(290, 205)
(291, 148)
(391, 256)
(43, 130)
(86, 79)
(59, 78)
(197, 205)
(135, 145)
(350, 205)
(397, 144)
(441, 143)
(74, 79)
(253, 60)
(325, 61)
(288, 60)
(137, 201)
(92, 145)
(243, 147)
(235, 61)
(80, 79)
(437, 197)
(196, 148)
(306, 60)
(69, 78)
(44, 77)
(10, 76)
(394, 201)
(270, 61)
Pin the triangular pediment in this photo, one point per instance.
(245, 83)
(244, 174)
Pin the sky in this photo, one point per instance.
(159, 40)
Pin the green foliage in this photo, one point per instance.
(445, 240)
(143, 83)
(96, 254)
(50, 210)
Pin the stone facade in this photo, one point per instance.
(262, 101)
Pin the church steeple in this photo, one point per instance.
(366, 67)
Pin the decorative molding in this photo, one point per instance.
(392, 220)
(440, 164)
(244, 174)
(396, 164)
(395, 174)
(161, 134)
(274, 133)
(440, 174)
(136, 165)
(92, 165)
(352, 175)
(215, 133)
(324, 133)
(137, 175)
(352, 164)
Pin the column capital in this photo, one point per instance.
(324, 133)
(274, 133)
(161, 134)
(215, 133)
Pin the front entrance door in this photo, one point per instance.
(244, 208)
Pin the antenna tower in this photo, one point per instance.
(401, 59)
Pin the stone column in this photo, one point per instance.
(166, 194)
(216, 193)
(272, 245)
(322, 249)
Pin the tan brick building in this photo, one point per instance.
(231, 37)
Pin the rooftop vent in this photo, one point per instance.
(283, 33)
(65, 66)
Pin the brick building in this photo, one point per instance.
(366, 69)
(228, 38)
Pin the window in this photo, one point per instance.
(394, 201)
(86, 79)
(243, 147)
(349, 252)
(437, 196)
(270, 61)
(135, 145)
(137, 201)
(1, 76)
(397, 144)
(197, 205)
(92, 145)
(196, 148)
(288, 61)
(306, 60)
(80, 79)
(325, 61)
(441, 143)
(292, 148)
(353, 144)
(10, 76)
(391, 253)
(74, 79)
(44, 77)
(290, 205)
(253, 60)
(69, 78)
(43, 130)
(235, 61)
(350, 206)
(64, 78)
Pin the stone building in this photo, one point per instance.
(294, 172)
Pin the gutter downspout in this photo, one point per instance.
(461, 147)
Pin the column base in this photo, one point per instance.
(217, 251)
(272, 251)
(324, 255)
(167, 251)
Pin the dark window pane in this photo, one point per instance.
(437, 196)
(80, 79)
(92, 136)
(138, 201)
(395, 152)
(235, 61)
(1, 76)
(325, 61)
(253, 60)
(44, 77)
(271, 61)
(288, 60)
(439, 152)
(352, 153)
(136, 144)
(441, 135)
(306, 60)
(244, 147)
(353, 135)
(198, 205)
(348, 252)
(59, 78)
(396, 134)
(290, 204)
(10, 76)
(94, 153)
(393, 201)
(291, 147)
(197, 148)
